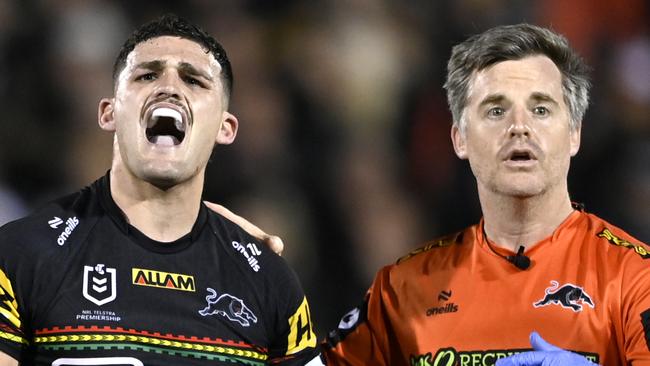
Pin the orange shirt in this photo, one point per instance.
(455, 302)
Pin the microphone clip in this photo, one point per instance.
(519, 260)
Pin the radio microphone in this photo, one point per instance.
(520, 260)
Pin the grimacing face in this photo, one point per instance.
(517, 138)
(169, 111)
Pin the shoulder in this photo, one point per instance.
(425, 250)
(51, 226)
(267, 274)
(250, 254)
(613, 240)
(439, 254)
(624, 264)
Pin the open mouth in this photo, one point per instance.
(520, 156)
(165, 127)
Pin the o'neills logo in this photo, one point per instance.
(70, 224)
(250, 257)
(449, 308)
(171, 281)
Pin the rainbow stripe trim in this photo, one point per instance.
(105, 337)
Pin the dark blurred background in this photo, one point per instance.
(343, 148)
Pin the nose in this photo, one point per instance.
(519, 124)
(168, 86)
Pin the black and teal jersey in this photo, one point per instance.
(80, 286)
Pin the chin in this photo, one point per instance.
(163, 183)
(521, 191)
(163, 179)
(522, 194)
(519, 187)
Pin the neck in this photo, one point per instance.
(514, 221)
(162, 214)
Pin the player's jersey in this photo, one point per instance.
(80, 286)
(455, 302)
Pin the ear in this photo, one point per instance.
(574, 140)
(228, 129)
(458, 139)
(105, 115)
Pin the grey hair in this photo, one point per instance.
(514, 42)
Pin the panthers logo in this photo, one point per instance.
(567, 296)
(229, 307)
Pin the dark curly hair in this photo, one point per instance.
(173, 25)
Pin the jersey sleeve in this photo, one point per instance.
(635, 305)
(362, 334)
(294, 340)
(13, 340)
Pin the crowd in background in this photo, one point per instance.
(343, 148)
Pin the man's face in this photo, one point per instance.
(168, 111)
(517, 138)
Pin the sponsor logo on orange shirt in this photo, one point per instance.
(450, 356)
(443, 309)
(640, 250)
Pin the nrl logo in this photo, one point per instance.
(99, 285)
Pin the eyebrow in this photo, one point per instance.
(543, 97)
(492, 99)
(499, 98)
(191, 70)
(155, 65)
(185, 67)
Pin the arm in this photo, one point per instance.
(635, 304)
(361, 337)
(274, 242)
(12, 339)
(6, 360)
(293, 341)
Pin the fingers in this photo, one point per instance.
(275, 243)
(272, 241)
(242, 222)
(539, 344)
(532, 358)
(544, 354)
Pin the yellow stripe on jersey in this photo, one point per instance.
(301, 334)
(9, 305)
(13, 337)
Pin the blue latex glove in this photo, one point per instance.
(544, 354)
